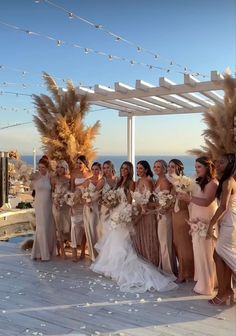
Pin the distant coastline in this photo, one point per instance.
(188, 161)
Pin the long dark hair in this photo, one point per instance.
(179, 166)
(84, 160)
(229, 171)
(210, 172)
(129, 178)
(147, 167)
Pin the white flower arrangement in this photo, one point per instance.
(141, 198)
(73, 198)
(165, 200)
(183, 184)
(58, 198)
(124, 217)
(111, 198)
(198, 226)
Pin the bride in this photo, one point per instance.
(117, 258)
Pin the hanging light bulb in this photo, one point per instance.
(59, 43)
(86, 50)
(118, 39)
(98, 26)
(71, 15)
(156, 56)
(150, 67)
(110, 57)
(171, 63)
(23, 73)
(139, 49)
(132, 62)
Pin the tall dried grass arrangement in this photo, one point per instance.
(60, 120)
(220, 134)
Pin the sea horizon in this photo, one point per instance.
(188, 161)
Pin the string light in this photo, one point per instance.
(118, 38)
(71, 16)
(101, 53)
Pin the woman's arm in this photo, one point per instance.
(210, 195)
(224, 202)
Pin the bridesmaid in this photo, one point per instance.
(91, 210)
(225, 252)
(78, 238)
(44, 246)
(145, 239)
(61, 211)
(181, 238)
(164, 222)
(108, 182)
(203, 206)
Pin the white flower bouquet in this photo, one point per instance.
(111, 198)
(198, 226)
(124, 217)
(182, 184)
(58, 197)
(165, 200)
(141, 198)
(73, 198)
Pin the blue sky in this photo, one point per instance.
(200, 35)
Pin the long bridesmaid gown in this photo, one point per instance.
(145, 238)
(183, 242)
(44, 246)
(77, 221)
(226, 243)
(62, 214)
(203, 249)
(91, 219)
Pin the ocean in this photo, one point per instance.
(188, 161)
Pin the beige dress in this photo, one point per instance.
(203, 249)
(226, 243)
(61, 213)
(165, 236)
(91, 219)
(145, 237)
(44, 246)
(183, 242)
(77, 221)
(104, 215)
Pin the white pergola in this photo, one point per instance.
(145, 99)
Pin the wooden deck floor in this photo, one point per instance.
(63, 298)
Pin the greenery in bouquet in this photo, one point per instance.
(165, 200)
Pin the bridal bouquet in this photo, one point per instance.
(73, 198)
(111, 198)
(198, 226)
(123, 217)
(165, 200)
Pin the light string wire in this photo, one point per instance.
(138, 48)
(87, 50)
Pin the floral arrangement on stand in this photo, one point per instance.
(111, 198)
(198, 226)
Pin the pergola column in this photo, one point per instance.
(131, 139)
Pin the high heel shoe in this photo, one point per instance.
(227, 300)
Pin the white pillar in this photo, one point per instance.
(34, 156)
(131, 139)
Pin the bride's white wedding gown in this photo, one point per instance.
(117, 259)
